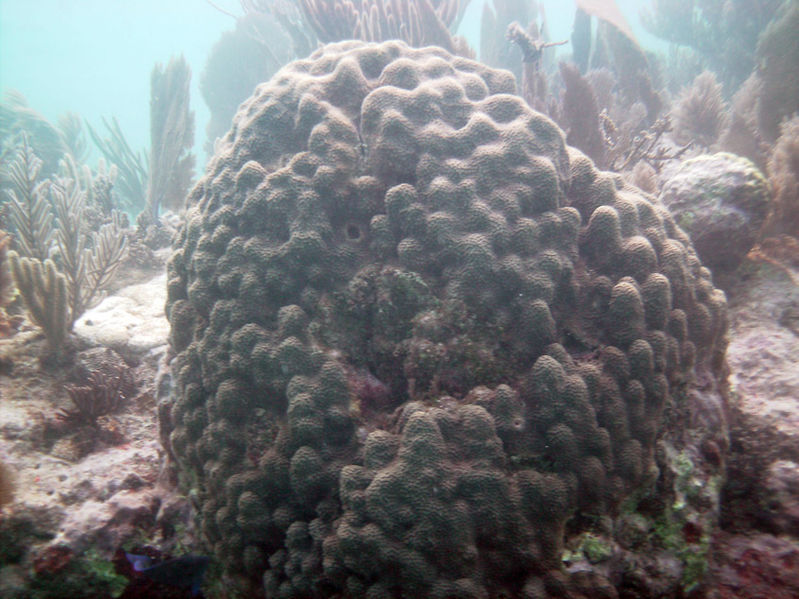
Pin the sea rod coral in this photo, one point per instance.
(421, 345)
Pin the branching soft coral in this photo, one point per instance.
(19, 121)
(724, 34)
(418, 22)
(61, 266)
(6, 282)
(741, 134)
(258, 46)
(700, 111)
(581, 113)
(171, 138)
(101, 395)
(778, 56)
(783, 170)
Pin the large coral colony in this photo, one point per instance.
(396, 218)
(432, 331)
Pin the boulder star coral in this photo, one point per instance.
(420, 343)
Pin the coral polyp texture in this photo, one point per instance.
(421, 344)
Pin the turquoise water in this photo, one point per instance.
(94, 57)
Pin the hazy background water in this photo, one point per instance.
(94, 57)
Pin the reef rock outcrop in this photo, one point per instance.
(721, 200)
(423, 348)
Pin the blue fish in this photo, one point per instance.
(185, 572)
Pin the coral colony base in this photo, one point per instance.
(423, 348)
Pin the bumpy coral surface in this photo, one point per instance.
(420, 343)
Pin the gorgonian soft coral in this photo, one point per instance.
(778, 56)
(741, 134)
(700, 111)
(724, 34)
(783, 170)
(581, 113)
(100, 395)
(6, 283)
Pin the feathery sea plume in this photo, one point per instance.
(18, 120)
(100, 395)
(6, 283)
(132, 166)
(44, 291)
(581, 113)
(28, 209)
(60, 265)
(417, 22)
(89, 260)
(777, 57)
(741, 133)
(700, 111)
(783, 171)
(171, 137)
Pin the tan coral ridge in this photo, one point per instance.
(6, 284)
(7, 485)
(402, 213)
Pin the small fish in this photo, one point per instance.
(184, 572)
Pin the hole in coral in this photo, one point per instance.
(353, 232)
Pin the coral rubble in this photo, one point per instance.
(422, 346)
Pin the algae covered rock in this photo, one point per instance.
(421, 344)
(721, 201)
